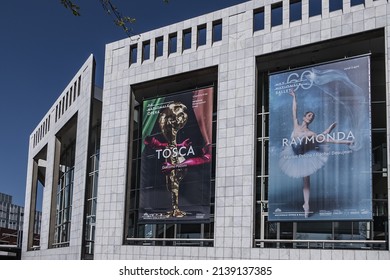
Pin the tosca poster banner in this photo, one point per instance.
(176, 158)
(320, 143)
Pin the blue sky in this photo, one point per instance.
(42, 45)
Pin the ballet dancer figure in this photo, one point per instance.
(296, 161)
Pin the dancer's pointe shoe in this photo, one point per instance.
(306, 209)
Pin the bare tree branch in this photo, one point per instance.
(73, 7)
(109, 8)
(118, 18)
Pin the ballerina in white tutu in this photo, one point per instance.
(306, 152)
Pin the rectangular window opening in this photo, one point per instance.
(63, 181)
(335, 5)
(217, 31)
(38, 184)
(133, 54)
(315, 7)
(79, 86)
(187, 39)
(357, 2)
(202, 34)
(258, 19)
(145, 51)
(70, 96)
(295, 10)
(172, 43)
(159, 47)
(67, 100)
(277, 14)
(365, 232)
(74, 91)
(141, 226)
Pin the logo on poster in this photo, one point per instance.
(175, 152)
(294, 82)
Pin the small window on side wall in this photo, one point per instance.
(159, 47)
(315, 7)
(217, 31)
(133, 54)
(335, 5)
(145, 50)
(295, 10)
(187, 36)
(201, 36)
(172, 44)
(258, 19)
(357, 2)
(277, 14)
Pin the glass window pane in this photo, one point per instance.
(133, 54)
(217, 31)
(295, 10)
(187, 39)
(335, 5)
(258, 19)
(357, 2)
(159, 47)
(315, 7)
(146, 50)
(202, 35)
(172, 43)
(277, 14)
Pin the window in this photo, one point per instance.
(258, 19)
(365, 234)
(63, 104)
(172, 43)
(64, 197)
(75, 90)
(79, 86)
(201, 35)
(168, 232)
(145, 51)
(133, 54)
(38, 184)
(71, 96)
(63, 179)
(315, 7)
(217, 31)
(91, 194)
(295, 10)
(159, 47)
(276, 14)
(357, 2)
(187, 40)
(335, 5)
(67, 100)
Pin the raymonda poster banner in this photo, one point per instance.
(320, 142)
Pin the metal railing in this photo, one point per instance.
(319, 243)
(202, 242)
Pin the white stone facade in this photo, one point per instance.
(234, 60)
(75, 100)
(235, 57)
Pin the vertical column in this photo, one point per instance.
(305, 11)
(286, 13)
(32, 200)
(325, 8)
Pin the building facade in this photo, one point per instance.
(203, 151)
(62, 150)
(11, 218)
(11, 227)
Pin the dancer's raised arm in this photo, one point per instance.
(294, 109)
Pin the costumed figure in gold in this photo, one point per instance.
(171, 120)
